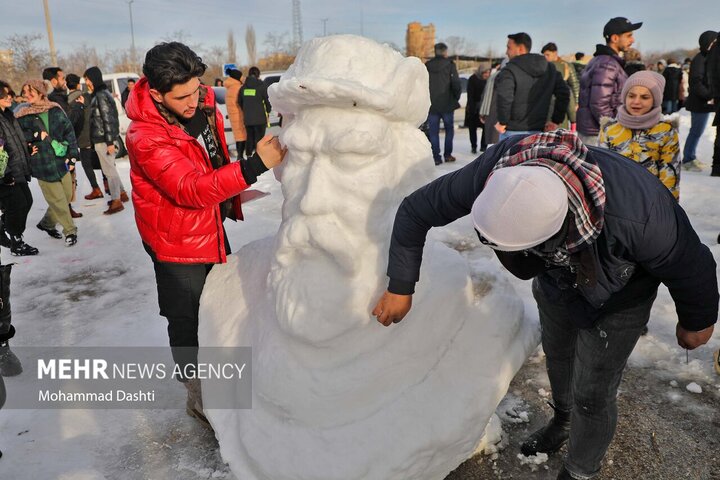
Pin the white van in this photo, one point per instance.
(116, 83)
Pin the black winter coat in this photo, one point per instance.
(254, 102)
(16, 147)
(699, 89)
(646, 239)
(673, 78)
(475, 89)
(104, 121)
(445, 87)
(524, 89)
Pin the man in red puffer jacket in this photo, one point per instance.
(184, 186)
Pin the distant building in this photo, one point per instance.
(420, 40)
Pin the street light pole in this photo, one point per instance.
(132, 33)
(48, 24)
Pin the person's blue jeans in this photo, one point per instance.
(698, 123)
(510, 133)
(670, 106)
(434, 134)
(585, 367)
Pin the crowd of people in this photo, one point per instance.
(552, 132)
(526, 94)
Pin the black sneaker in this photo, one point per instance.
(22, 249)
(70, 240)
(50, 231)
(551, 437)
(563, 474)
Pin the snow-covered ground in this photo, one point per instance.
(102, 293)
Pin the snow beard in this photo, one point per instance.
(341, 186)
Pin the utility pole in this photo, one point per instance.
(324, 22)
(132, 34)
(297, 25)
(48, 24)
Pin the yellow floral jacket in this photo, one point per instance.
(657, 148)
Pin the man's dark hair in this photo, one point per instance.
(549, 47)
(521, 38)
(131, 80)
(6, 86)
(72, 81)
(579, 55)
(234, 73)
(254, 72)
(172, 63)
(51, 73)
(440, 48)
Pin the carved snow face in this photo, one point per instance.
(339, 184)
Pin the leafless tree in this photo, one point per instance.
(251, 44)
(460, 46)
(28, 59)
(231, 47)
(81, 59)
(277, 43)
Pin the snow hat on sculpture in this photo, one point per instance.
(349, 71)
(337, 396)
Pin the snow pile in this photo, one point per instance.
(335, 394)
(694, 387)
(533, 461)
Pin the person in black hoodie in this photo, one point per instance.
(524, 89)
(699, 102)
(671, 94)
(445, 91)
(255, 104)
(713, 74)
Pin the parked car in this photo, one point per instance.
(268, 79)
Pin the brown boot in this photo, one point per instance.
(73, 213)
(124, 196)
(96, 193)
(115, 207)
(194, 405)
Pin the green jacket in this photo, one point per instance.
(45, 165)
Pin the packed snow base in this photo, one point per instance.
(335, 394)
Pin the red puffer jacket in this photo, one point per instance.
(176, 192)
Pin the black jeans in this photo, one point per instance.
(86, 158)
(16, 201)
(585, 367)
(254, 134)
(179, 287)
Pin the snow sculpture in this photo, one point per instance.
(335, 394)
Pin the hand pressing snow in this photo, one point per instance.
(392, 308)
(270, 151)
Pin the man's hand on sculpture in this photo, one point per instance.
(392, 308)
(270, 151)
(692, 340)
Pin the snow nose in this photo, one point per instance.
(317, 200)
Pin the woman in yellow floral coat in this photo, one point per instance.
(641, 134)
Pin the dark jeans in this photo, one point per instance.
(716, 151)
(254, 134)
(7, 331)
(179, 287)
(434, 134)
(86, 158)
(698, 122)
(670, 106)
(472, 129)
(585, 367)
(16, 201)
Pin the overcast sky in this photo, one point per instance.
(572, 24)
